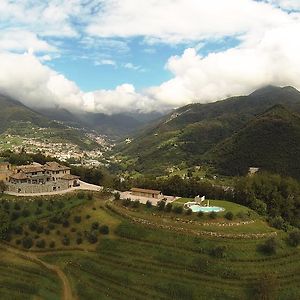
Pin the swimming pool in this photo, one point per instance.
(206, 209)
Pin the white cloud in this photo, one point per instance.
(182, 20)
(103, 62)
(286, 4)
(272, 58)
(132, 66)
(47, 18)
(26, 79)
(21, 40)
(123, 98)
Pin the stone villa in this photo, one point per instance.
(37, 178)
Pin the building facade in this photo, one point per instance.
(146, 193)
(37, 178)
(5, 171)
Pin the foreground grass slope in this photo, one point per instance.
(151, 254)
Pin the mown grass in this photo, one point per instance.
(22, 279)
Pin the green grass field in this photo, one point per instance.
(155, 255)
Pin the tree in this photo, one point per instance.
(3, 186)
(4, 224)
(269, 247)
(294, 238)
(266, 287)
(229, 215)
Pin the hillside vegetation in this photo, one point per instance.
(271, 141)
(189, 133)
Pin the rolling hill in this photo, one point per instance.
(18, 119)
(271, 141)
(188, 133)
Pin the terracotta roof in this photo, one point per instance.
(146, 191)
(54, 166)
(69, 177)
(19, 176)
(30, 168)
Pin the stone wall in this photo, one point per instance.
(25, 188)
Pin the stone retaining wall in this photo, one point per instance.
(25, 188)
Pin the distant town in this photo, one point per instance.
(63, 151)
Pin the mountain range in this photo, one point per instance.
(258, 130)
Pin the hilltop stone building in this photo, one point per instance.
(5, 171)
(37, 178)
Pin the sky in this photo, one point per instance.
(114, 56)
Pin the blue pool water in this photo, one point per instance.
(197, 208)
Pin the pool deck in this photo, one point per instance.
(143, 200)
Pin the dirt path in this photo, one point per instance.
(67, 291)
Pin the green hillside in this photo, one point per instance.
(270, 141)
(18, 120)
(188, 133)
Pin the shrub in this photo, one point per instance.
(148, 204)
(27, 242)
(66, 241)
(92, 238)
(90, 196)
(80, 195)
(229, 215)
(18, 242)
(168, 207)
(104, 229)
(66, 223)
(161, 204)
(278, 223)
(200, 214)
(40, 244)
(77, 219)
(18, 229)
(126, 202)
(17, 206)
(47, 231)
(79, 241)
(213, 215)
(294, 238)
(38, 211)
(25, 213)
(52, 244)
(136, 203)
(95, 225)
(218, 252)
(87, 216)
(15, 215)
(40, 202)
(117, 196)
(188, 212)
(73, 229)
(269, 246)
(40, 229)
(178, 209)
(58, 232)
(51, 226)
(33, 226)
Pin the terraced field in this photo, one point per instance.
(21, 278)
(157, 255)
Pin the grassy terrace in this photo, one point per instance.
(150, 254)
